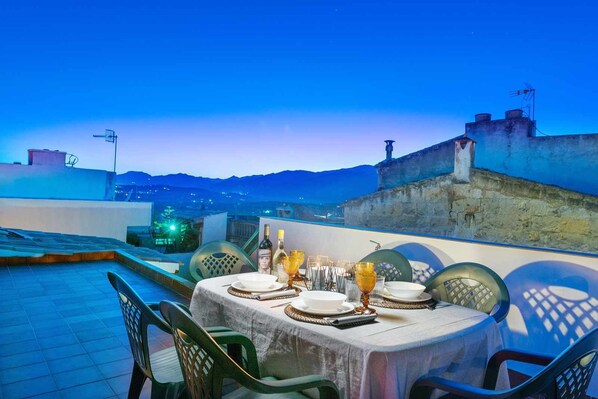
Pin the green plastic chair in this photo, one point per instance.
(219, 258)
(161, 367)
(390, 264)
(564, 377)
(205, 365)
(471, 285)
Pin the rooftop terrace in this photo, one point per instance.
(63, 334)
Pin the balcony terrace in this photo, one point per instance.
(62, 332)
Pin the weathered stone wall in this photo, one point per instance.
(510, 146)
(432, 161)
(506, 146)
(492, 207)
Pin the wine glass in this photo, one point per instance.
(299, 254)
(291, 266)
(365, 278)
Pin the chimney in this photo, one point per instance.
(464, 157)
(513, 113)
(389, 149)
(482, 117)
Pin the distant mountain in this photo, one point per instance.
(332, 186)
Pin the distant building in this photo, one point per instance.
(50, 195)
(48, 175)
(498, 182)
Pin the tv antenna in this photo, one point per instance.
(529, 96)
(110, 137)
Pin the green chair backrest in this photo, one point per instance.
(391, 264)
(206, 365)
(567, 376)
(138, 316)
(471, 285)
(219, 258)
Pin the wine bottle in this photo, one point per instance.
(278, 259)
(264, 253)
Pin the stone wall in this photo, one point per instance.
(508, 146)
(432, 161)
(492, 207)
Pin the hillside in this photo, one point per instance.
(333, 186)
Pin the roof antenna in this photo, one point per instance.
(529, 96)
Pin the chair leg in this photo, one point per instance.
(137, 381)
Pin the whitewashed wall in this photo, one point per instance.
(554, 294)
(55, 181)
(89, 218)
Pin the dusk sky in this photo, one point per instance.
(227, 88)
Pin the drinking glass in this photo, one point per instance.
(365, 277)
(343, 270)
(294, 261)
(377, 295)
(317, 273)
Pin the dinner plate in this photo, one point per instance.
(422, 298)
(239, 286)
(345, 307)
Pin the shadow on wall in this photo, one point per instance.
(553, 302)
(424, 260)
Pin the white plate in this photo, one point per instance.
(345, 307)
(239, 286)
(422, 298)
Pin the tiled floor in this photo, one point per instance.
(62, 333)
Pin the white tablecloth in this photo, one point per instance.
(376, 360)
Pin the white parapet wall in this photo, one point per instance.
(87, 218)
(554, 294)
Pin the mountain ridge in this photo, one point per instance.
(292, 186)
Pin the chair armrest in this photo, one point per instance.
(326, 388)
(234, 342)
(503, 355)
(423, 388)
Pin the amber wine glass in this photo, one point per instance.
(365, 278)
(295, 260)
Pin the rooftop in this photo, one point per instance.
(63, 334)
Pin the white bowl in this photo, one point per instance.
(322, 300)
(256, 281)
(404, 289)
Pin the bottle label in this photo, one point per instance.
(264, 261)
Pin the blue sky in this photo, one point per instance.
(250, 87)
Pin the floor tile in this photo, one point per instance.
(61, 352)
(19, 347)
(102, 344)
(110, 355)
(27, 372)
(52, 331)
(120, 384)
(97, 333)
(116, 368)
(28, 388)
(56, 341)
(70, 363)
(96, 390)
(80, 376)
(21, 359)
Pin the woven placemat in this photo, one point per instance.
(249, 295)
(386, 303)
(311, 318)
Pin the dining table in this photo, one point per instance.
(380, 359)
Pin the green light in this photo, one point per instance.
(172, 227)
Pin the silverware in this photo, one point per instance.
(281, 304)
(227, 285)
